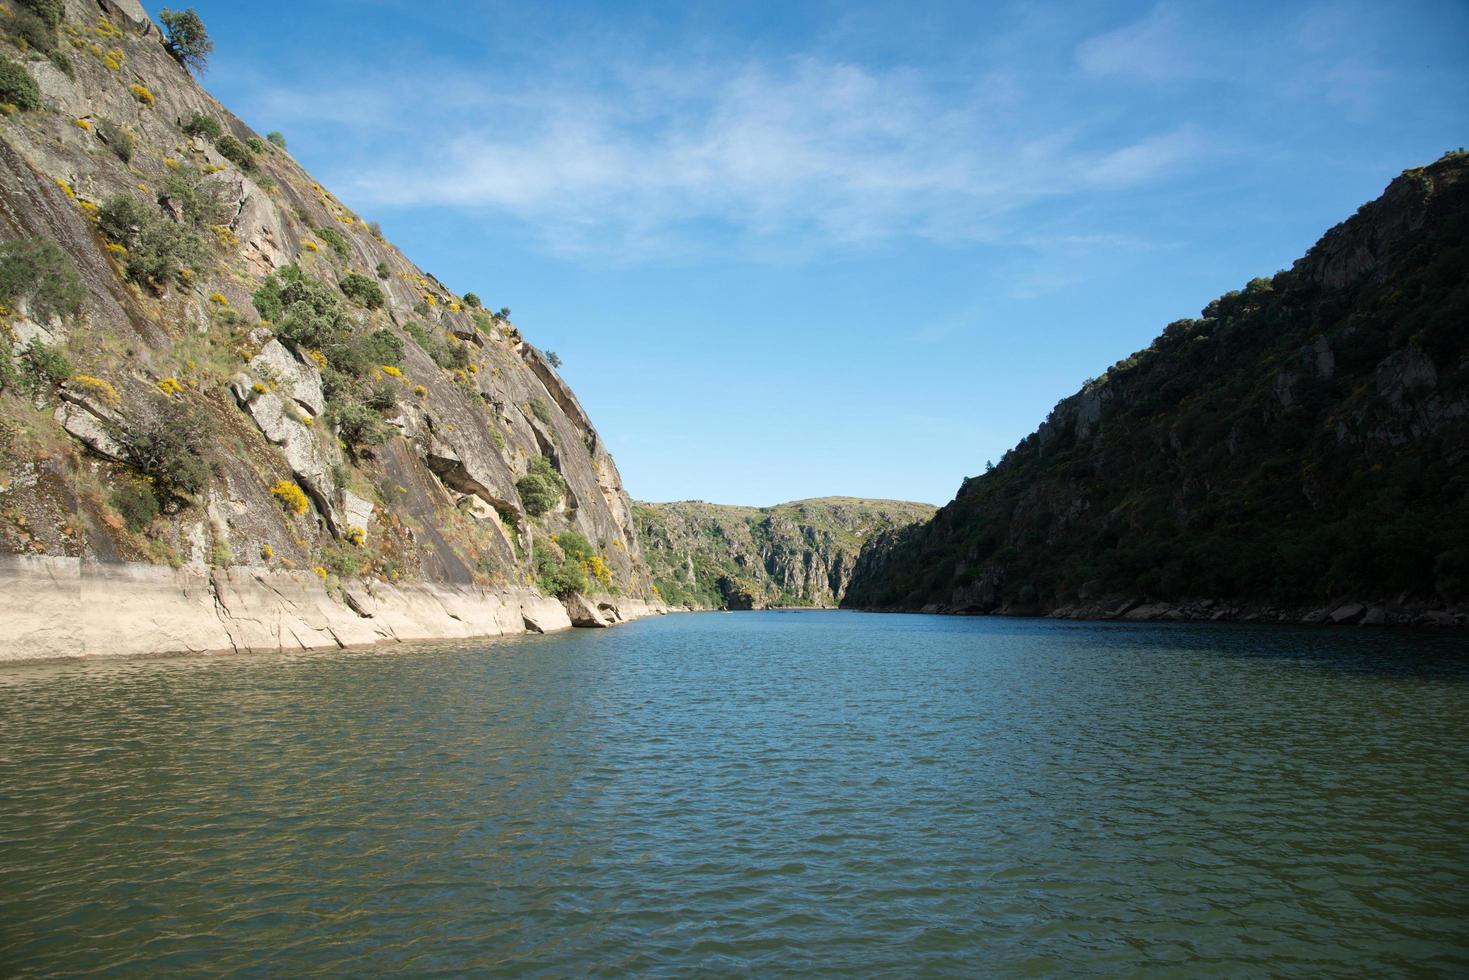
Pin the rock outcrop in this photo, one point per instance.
(362, 448)
(1300, 452)
(714, 556)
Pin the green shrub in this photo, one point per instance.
(575, 545)
(62, 62)
(336, 240)
(203, 124)
(137, 505)
(541, 487)
(17, 86)
(38, 271)
(45, 366)
(188, 41)
(51, 12)
(236, 152)
(362, 290)
(118, 140)
(157, 248)
(341, 562)
(420, 336)
(382, 270)
(276, 138)
(357, 425)
(383, 347)
(26, 27)
(472, 301)
(383, 396)
(541, 410)
(559, 575)
(169, 444)
(256, 144)
(305, 311)
(9, 377)
(193, 193)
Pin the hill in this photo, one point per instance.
(1301, 450)
(220, 386)
(715, 556)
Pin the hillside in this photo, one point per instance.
(212, 367)
(1301, 450)
(714, 556)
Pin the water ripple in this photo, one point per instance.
(766, 793)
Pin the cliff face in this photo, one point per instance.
(712, 556)
(1302, 450)
(208, 361)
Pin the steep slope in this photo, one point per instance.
(210, 364)
(1302, 450)
(714, 556)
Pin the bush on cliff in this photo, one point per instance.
(559, 574)
(236, 152)
(37, 271)
(541, 487)
(362, 290)
(157, 248)
(17, 87)
(203, 124)
(169, 445)
(188, 41)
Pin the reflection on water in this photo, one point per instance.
(771, 792)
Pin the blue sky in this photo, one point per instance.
(799, 249)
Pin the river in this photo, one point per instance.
(776, 793)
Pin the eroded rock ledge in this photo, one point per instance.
(55, 607)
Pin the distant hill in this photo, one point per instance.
(1302, 444)
(714, 556)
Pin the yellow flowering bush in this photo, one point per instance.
(218, 299)
(267, 552)
(97, 386)
(356, 535)
(392, 371)
(141, 93)
(170, 386)
(292, 497)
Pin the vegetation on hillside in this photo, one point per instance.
(1306, 438)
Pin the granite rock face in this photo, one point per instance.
(431, 505)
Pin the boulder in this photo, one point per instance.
(582, 613)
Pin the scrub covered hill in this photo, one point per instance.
(1305, 440)
(715, 556)
(209, 361)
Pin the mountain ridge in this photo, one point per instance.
(1300, 451)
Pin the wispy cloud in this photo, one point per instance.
(775, 154)
(1153, 48)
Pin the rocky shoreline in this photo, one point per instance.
(1347, 612)
(62, 608)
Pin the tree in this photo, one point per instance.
(275, 137)
(553, 359)
(188, 41)
(472, 301)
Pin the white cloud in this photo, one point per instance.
(1152, 49)
(781, 155)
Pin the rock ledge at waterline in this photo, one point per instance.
(55, 607)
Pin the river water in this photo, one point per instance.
(766, 793)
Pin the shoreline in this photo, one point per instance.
(60, 609)
(1344, 612)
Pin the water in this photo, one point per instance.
(770, 793)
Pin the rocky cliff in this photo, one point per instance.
(713, 556)
(1300, 451)
(208, 363)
